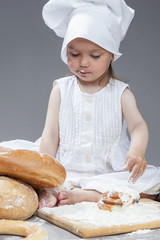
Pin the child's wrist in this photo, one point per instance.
(135, 150)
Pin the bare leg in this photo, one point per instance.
(47, 197)
(152, 197)
(67, 197)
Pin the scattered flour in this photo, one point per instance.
(141, 232)
(89, 213)
(38, 221)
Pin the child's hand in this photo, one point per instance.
(136, 164)
(47, 197)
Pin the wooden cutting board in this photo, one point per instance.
(85, 229)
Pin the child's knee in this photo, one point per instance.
(47, 198)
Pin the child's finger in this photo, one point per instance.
(133, 179)
(144, 167)
(125, 166)
(135, 174)
(128, 166)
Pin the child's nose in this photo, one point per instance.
(84, 62)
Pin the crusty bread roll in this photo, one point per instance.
(39, 170)
(22, 228)
(18, 200)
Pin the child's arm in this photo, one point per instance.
(50, 135)
(137, 127)
(49, 143)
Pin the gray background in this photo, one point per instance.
(29, 62)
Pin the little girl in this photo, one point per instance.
(89, 111)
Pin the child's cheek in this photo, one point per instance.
(71, 65)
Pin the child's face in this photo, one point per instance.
(87, 60)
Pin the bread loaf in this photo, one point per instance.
(39, 170)
(4, 149)
(22, 228)
(18, 200)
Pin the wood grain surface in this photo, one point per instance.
(86, 230)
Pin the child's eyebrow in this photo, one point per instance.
(92, 50)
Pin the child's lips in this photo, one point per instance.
(82, 72)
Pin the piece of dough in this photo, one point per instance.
(22, 228)
(18, 200)
(125, 196)
(39, 170)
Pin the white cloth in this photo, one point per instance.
(104, 22)
(21, 144)
(93, 140)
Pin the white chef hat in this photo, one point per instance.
(104, 22)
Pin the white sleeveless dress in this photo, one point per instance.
(93, 139)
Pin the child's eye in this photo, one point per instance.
(95, 56)
(75, 54)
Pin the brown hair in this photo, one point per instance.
(111, 74)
